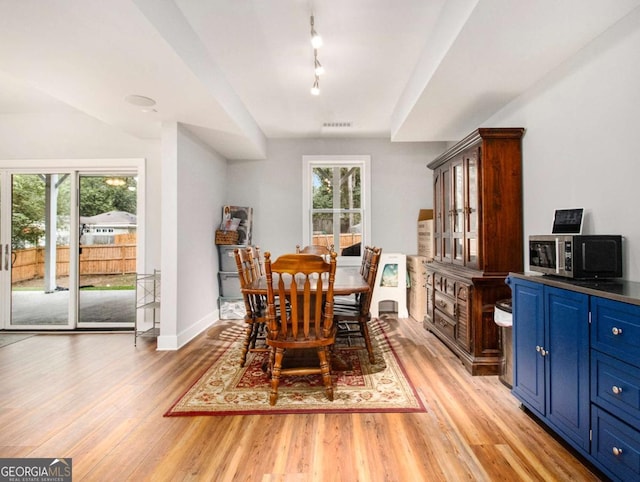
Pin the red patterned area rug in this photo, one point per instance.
(228, 389)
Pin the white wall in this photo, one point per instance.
(194, 191)
(580, 148)
(400, 181)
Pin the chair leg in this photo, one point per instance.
(245, 344)
(364, 329)
(275, 375)
(325, 368)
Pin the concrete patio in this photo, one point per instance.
(37, 308)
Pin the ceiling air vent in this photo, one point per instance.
(336, 124)
(334, 128)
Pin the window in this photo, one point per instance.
(336, 203)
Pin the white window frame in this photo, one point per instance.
(361, 161)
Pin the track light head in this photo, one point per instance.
(315, 88)
(316, 40)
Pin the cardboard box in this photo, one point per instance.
(417, 271)
(425, 233)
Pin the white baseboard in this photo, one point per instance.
(175, 342)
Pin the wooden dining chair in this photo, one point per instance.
(258, 263)
(255, 306)
(353, 319)
(350, 300)
(302, 287)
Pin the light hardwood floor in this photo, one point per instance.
(99, 400)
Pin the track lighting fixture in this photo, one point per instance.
(318, 69)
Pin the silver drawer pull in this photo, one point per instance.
(616, 331)
(616, 390)
(538, 348)
(617, 451)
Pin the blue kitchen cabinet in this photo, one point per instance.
(567, 364)
(528, 333)
(576, 348)
(615, 387)
(551, 357)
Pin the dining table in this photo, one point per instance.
(348, 281)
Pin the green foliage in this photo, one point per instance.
(28, 203)
(27, 224)
(97, 197)
(348, 182)
(329, 183)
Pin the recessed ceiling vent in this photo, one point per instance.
(334, 125)
(336, 128)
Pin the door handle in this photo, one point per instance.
(6, 257)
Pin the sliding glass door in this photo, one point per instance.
(107, 250)
(36, 215)
(68, 249)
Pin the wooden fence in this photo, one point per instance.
(345, 240)
(94, 259)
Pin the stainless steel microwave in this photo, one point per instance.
(576, 256)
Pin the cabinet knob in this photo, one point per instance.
(616, 331)
(617, 451)
(541, 350)
(616, 390)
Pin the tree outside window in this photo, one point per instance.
(336, 195)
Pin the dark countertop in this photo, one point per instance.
(613, 289)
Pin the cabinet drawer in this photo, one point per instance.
(615, 386)
(445, 304)
(450, 287)
(444, 325)
(615, 329)
(615, 445)
(439, 282)
(444, 284)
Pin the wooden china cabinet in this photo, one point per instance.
(478, 235)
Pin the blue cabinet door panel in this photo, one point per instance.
(528, 333)
(567, 363)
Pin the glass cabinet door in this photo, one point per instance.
(457, 212)
(447, 206)
(438, 215)
(471, 208)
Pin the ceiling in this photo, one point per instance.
(237, 72)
